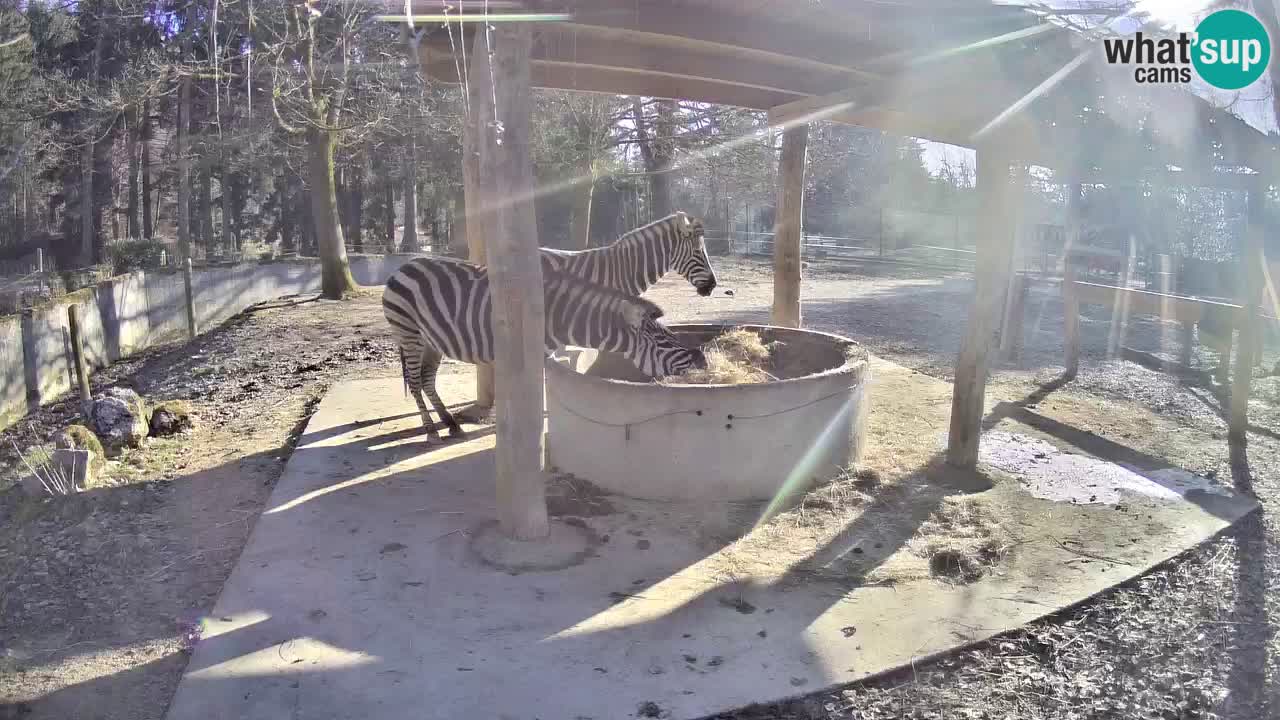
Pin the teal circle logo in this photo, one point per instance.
(1232, 49)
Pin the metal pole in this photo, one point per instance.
(881, 221)
(955, 240)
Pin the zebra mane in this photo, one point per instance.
(637, 232)
(635, 308)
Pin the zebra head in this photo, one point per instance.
(690, 255)
(654, 349)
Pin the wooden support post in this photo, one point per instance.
(515, 275)
(995, 240)
(1014, 316)
(480, 102)
(1120, 311)
(1070, 301)
(1011, 308)
(191, 300)
(1224, 352)
(788, 229)
(1188, 339)
(1251, 261)
(77, 357)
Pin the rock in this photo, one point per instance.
(120, 419)
(79, 437)
(171, 417)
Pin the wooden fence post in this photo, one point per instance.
(1070, 301)
(191, 303)
(77, 357)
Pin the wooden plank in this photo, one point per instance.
(1146, 302)
(995, 239)
(1252, 262)
(788, 230)
(622, 81)
(1187, 340)
(573, 50)
(515, 274)
(829, 105)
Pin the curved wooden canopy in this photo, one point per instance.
(966, 72)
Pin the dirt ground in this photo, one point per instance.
(99, 594)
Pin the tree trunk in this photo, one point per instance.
(287, 241)
(389, 218)
(355, 207)
(583, 191)
(458, 225)
(476, 220)
(238, 190)
(148, 231)
(131, 147)
(206, 213)
(86, 204)
(515, 275)
(409, 242)
(184, 168)
(658, 151)
(335, 273)
(228, 232)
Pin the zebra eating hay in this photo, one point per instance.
(638, 259)
(440, 306)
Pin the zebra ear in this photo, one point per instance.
(638, 310)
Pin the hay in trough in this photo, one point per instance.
(738, 357)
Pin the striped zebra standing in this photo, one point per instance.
(441, 306)
(638, 259)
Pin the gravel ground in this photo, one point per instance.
(98, 594)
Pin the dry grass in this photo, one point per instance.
(962, 540)
(738, 357)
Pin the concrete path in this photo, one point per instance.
(359, 597)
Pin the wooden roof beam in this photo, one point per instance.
(615, 81)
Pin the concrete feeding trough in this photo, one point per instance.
(662, 441)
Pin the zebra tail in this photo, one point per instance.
(404, 372)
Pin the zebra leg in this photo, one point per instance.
(411, 362)
(430, 364)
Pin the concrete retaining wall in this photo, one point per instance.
(131, 313)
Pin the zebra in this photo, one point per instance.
(635, 261)
(441, 306)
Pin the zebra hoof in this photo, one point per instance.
(458, 433)
(474, 414)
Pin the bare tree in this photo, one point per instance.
(312, 70)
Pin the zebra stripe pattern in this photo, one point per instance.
(439, 306)
(639, 258)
